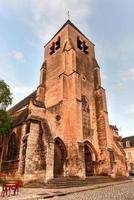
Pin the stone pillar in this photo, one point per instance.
(49, 162)
(21, 161)
(81, 165)
(103, 130)
(31, 161)
(40, 95)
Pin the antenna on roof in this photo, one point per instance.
(68, 14)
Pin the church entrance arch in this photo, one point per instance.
(89, 160)
(60, 154)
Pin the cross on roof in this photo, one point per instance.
(68, 14)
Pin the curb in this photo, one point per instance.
(59, 193)
(97, 186)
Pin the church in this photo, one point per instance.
(62, 128)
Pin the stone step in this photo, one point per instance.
(60, 180)
(78, 182)
(67, 182)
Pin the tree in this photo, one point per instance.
(5, 100)
(5, 95)
(4, 122)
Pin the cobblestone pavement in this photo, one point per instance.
(120, 191)
(115, 192)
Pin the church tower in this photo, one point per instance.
(75, 105)
(62, 128)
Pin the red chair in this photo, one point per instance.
(7, 188)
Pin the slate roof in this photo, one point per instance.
(130, 138)
(114, 127)
(15, 121)
(22, 103)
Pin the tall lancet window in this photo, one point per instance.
(86, 118)
(12, 147)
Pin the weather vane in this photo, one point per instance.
(68, 14)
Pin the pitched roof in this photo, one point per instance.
(130, 138)
(15, 121)
(114, 127)
(66, 23)
(22, 103)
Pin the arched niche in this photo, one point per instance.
(90, 156)
(60, 154)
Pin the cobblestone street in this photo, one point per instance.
(117, 192)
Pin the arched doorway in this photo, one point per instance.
(59, 157)
(89, 168)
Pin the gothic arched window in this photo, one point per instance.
(12, 147)
(86, 117)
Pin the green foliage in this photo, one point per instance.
(5, 95)
(5, 100)
(4, 122)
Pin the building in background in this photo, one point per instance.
(128, 145)
(62, 128)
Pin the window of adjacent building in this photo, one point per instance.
(121, 143)
(132, 166)
(129, 155)
(127, 143)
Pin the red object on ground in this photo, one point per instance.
(7, 188)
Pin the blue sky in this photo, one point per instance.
(25, 26)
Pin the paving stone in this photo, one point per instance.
(115, 191)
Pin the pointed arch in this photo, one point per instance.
(90, 158)
(92, 149)
(60, 154)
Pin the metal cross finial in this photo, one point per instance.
(68, 14)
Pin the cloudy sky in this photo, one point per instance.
(26, 25)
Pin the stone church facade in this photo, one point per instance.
(62, 128)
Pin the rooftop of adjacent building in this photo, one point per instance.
(114, 127)
(128, 142)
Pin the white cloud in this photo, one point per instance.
(54, 13)
(59, 8)
(130, 73)
(17, 55)
(21, 89)
(125, 76)
(46, 16)
(130, 109)
(120, 86)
